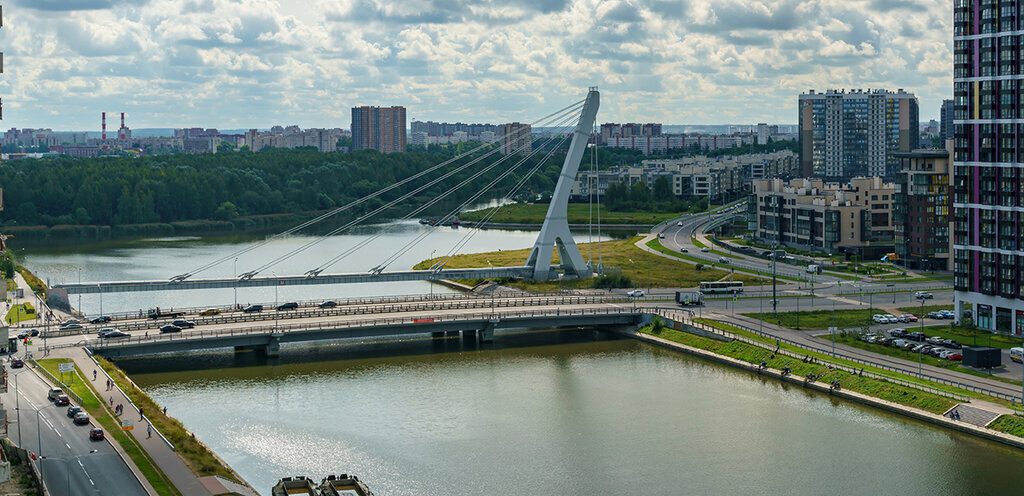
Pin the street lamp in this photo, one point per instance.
(277, 311)
(234, 283)
(67, 465)
(428, 281)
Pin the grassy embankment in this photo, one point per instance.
(821, 319)
(20, 313)
(920, 311)
(112, 426)
(37, 284)
(615, 254)
(654, 244)
(578, 213)
(749, 353)
(196, 455)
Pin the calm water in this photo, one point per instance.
(555, 413)
(162, 258)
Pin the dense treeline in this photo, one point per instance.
(623, 198)
(221, 187)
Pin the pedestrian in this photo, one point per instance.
(165, 410)
(94, 375)
(111, 401)
(149, 430)
(140, 413)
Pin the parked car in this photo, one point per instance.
(73, 410)
(923, 295)
(71, 327)
(909, 345)
(253, 309)
(951, 343)
(898, 343)
(916, 336)
(210, 311)
(54, 393)
(184, 324)
(62, 400)
(891, 319)
(955, 356)
(906, 318)
(291, 305)
(918, 348)
(897, 332)
(96, 434)
(933, 315)
(17, 363)
(935, 340)
(328, 304)
(636, 293)
(947, 314)
(723, 260)
(115, 334)
(100, 320)
(878, 318)
(81, 418)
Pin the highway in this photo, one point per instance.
(71, 464)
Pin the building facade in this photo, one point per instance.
(661, 144)
(853, 218)
(988, 164)
(946, 120)
(378, 128)
(515, 138)
(923, 209)
(856, 133)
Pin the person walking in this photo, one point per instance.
(149, 430)
(94, 375)
(140, 413)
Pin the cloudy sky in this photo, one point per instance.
(255, 63)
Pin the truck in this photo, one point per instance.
(814, 269)
(156, 313)
(689, 298)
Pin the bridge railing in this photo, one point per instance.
(826, 351)
(280, 329)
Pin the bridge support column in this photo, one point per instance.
(487, 333)
(469, 335)
(437, 334)
(273, 348)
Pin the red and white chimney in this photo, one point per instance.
(104, 125)
(122, 125)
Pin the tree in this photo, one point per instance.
(226, 211)
(662, 189)
(225, 147)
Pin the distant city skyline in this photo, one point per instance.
(253, 63)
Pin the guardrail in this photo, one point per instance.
(518, 300)
(929, 377)
(98, 344)
(129, 398)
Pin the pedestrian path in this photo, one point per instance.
(972, 415)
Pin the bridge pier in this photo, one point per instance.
(272, 349)
(486, 334)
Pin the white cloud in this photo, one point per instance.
(243, 63)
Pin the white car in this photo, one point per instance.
(891, 319)
(705, 249)
(661, 235)
(679, 224)
(636, 293)
(684, 250)
(878, 318)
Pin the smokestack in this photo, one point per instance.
(122, 125)
(104, 125)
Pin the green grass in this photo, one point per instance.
(195, 454)
(971, 337)
(21, 313)
(877, 388)
(1010, 424)
(111, 426)
(697, 243)
(920, 311)
(821, 319)
(37, 284)
(11, 285)
(578, 213)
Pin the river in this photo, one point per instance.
(551, 412)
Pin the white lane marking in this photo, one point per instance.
(87, 476)
(54, 429)
(68, 445)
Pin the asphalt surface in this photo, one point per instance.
(71, 464)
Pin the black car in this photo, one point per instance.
(291, 305)
(328, 304)
(253, 309)
(72, 410)
(62, 400)
(916, 336)
(33, 332)
(184, 324)
(100, 320)
(115, 334)
(17, 363)
(170, 328)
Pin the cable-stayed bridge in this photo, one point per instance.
(575, 121)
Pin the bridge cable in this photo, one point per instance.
(237, 253)
(315, 272)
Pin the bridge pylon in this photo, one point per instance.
(555, 231)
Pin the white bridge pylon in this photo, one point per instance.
(555, 231)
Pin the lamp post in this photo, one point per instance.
(428, 281)
(234, 283)
(277, 311)
(67, 465)
(832, 329)
(633, 266)
(919, 366)
(79, 294)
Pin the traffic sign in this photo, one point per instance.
(127, 424)
(66, 367)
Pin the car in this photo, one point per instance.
(877, 318)
(907, 318)
(745, 248)
(955, 356)
(916, 336)
(947, 314)
(73, 410)
(81, 418)
(17, 363)
(23, 335)
(291, 305)
(890, 318)
(723, 260)
(210, 311)
(918, 348)
(253, 309)
(909, 345)
(951, 343)
(184, 324)
(661, 235)
(328, 304)
(62, 400)
(104, 331)
(934, 315)
(897, 332)
(100, 320)
(923, 295)
(96, 434)
(898, 343)
(679, 224)
(33, 332)
(115, 334)
(54, 393)
(69, 321)
(935, 340)
(684, 250)
(705, 249)
(169, 328)
(636, 293)
(902, 319)
(71, 327)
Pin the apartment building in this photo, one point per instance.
(923, 209)
(809, 214)
(988, 164)
(514, 138)
(378, 128)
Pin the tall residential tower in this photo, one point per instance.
(988, 164)
(378, 128)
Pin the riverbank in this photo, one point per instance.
(581, 214)
(873, 391)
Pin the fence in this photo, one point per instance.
(129, 398)
(71, 394)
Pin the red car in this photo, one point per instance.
(62, 400)
(955, 356)
(96, 434)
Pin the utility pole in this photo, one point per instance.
(775, 298)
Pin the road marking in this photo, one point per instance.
(87, 476)
(68, 445)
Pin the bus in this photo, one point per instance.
(1017, 354)
(721, 287)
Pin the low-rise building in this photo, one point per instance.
(853, 217)
(923, 209)
(663, 143)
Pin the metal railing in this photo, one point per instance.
(129, 398)
(56, 381)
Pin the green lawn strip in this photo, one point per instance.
(11, 285)
(820, 319)
(745, 275)
(849, 363)
(112, 426)
(971, 337)
(697, 243)
(196, 455)
(877, 388)
(1010, 424)
(925, 310)
(20, 313)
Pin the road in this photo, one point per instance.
(70, 463)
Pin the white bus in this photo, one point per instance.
(1017, 354)
(721, 287)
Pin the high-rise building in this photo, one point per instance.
(849, 134)
(515, 138)
(988, 165)
(762, 133)
(946, 128)
(378, 128)
(922, 210)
